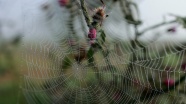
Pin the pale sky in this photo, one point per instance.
(26, 14)
(152, 12)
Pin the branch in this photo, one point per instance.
(70, 22)
(156, 26)
(85, 13)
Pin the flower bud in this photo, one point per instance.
(92, 34)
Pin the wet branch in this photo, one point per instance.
(156, 26)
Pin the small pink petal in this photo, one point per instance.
(169, 82)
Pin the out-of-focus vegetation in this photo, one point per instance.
(94, 69)
(10, 72)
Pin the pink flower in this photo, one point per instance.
(183, 66)
(92, 34)
(63, 2)
(169, 82)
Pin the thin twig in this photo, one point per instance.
(70, 22)
(85, 13)
(156, 26)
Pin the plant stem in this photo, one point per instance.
(70, 22)
(156, 26)
(85, 13)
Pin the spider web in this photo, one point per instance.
(53, 75)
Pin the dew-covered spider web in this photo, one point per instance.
(63, 68)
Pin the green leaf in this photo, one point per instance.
(103, 36)
(90, 54)
(96, 46)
